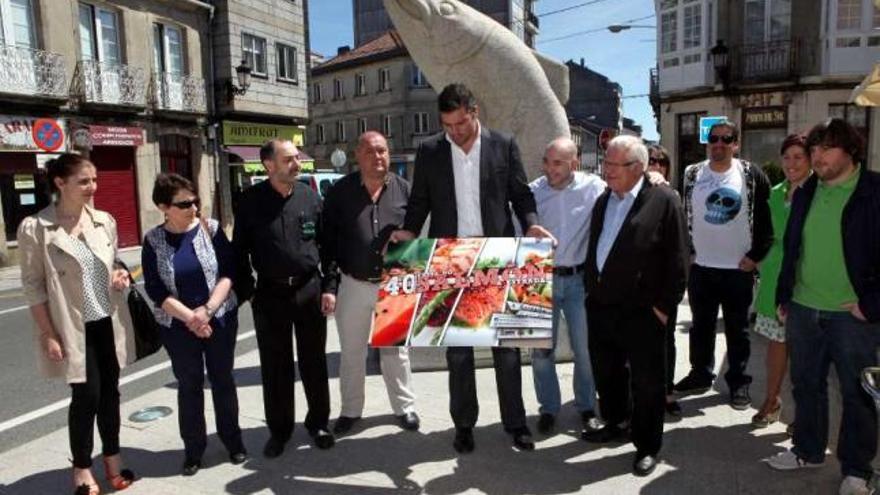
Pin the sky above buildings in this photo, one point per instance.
(624, 57)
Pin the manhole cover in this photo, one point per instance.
(148, 414)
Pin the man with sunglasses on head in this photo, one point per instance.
(276, 232)
(725, 199)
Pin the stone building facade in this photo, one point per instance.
(780, 67)
(376, 86)
(121, 81)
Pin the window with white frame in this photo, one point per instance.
(360, 84)
(338, 88)
(168, 49)
(692, 26)
(420, 123)
(99, 34)
(362, 125)
(320, 136)
(253, 50)
(287, 67)
(17, 23)
(855, 23)
(385, 79)
(386, 125)
(317, 93)
(340, 131)
(418, 78)
(682, 35)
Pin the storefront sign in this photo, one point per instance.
(21, 133)
(471, 292)
(765, 117)
(247, 133)
(102, 135)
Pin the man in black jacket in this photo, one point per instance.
(466, 178)
(725, 200)
(276, 230)
(829, 297)
(636, 271)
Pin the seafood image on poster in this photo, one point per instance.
(473, 292)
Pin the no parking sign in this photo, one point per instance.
(47, 134)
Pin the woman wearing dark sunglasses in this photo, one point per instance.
(188, 265)
(658, 161)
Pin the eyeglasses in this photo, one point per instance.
(606, 164)
(185, 205)
(728, 139)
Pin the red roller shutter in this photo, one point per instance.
(117, 190)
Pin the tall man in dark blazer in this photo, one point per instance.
(636, 272)
(466, 178)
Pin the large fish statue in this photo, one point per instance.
(518, 90)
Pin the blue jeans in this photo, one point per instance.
(815, 340)
(568, 299)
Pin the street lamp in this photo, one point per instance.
(721, 61)
(616, 28)
(243, 74)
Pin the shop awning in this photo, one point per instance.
(246, 153)
(867, 94)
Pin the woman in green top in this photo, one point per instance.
(796, 166)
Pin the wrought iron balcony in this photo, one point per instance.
(110, 84)
(765, 62)
(179, 93)
(24, 71)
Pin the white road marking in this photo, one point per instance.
(61, 404)
(12, 310)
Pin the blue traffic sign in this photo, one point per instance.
(706, 124)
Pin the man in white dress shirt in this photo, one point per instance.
(565, 199)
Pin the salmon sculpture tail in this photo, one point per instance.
(519, 91)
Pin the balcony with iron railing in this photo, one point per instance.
(100, 83)
(765, 62)
(179, 93)
(29, 72)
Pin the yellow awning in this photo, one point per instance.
(867, 94)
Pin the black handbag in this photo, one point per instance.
(146, 329)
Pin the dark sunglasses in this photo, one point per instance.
(185, 205)
(713, 138)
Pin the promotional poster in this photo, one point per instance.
(474, 292)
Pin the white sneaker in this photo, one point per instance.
(853, 485)
(789, 461)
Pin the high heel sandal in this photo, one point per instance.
(764, 420)
(119, 481)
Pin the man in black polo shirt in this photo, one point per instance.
(360, 212)
(276, 231)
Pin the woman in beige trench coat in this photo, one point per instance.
(82, 323)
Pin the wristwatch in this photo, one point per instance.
(211, 310)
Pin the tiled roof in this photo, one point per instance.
(388, 43)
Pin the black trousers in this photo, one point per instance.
(709, 288)
(670, 350)
(98, 396)
(276, 310)
(463, 404)
(190, 356)
(628, 352)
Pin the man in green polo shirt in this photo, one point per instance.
(829, 297)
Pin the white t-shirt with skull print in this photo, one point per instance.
(721, 234)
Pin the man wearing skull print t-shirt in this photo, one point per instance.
(729, 221)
